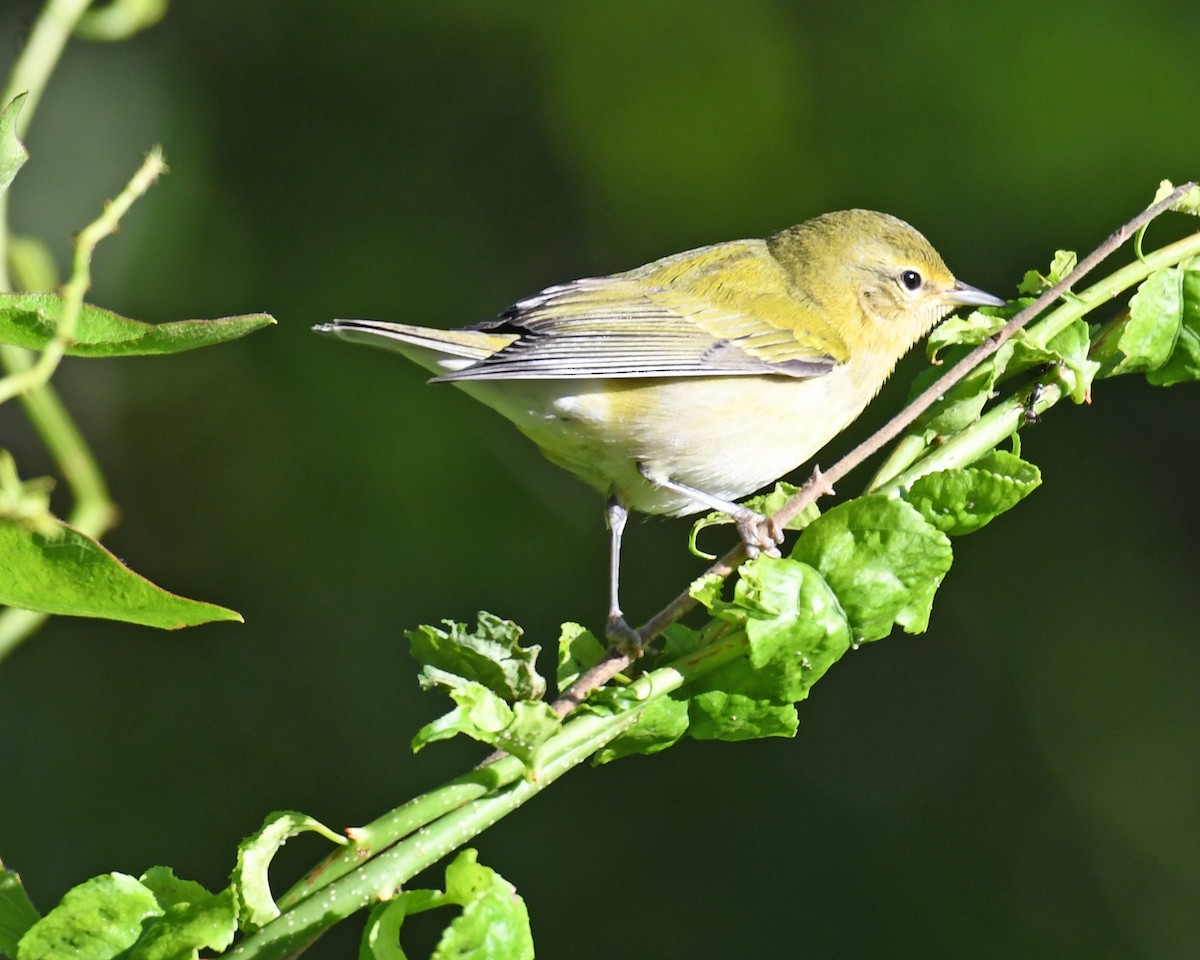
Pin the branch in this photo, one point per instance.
(821, 482)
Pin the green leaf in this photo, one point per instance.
(1155, 319)
(169, 889)
(766, 504)
(795, 630)
(1036, 283)
(12, 152)
(98, 920)
(735, 709)
(1183, 366)
(251, 884)
(71, 574)
(31, 319)
(491, 654)
(519, 729)
(660, 724)
(17, 912)
(883, 560)
(960, 501)
(193, 919)
(494, 923)
(578, 650)
(970, 330)
(962, 404)
(381, 935)
(1066, 354)
(1188, 203)
(1149, 335)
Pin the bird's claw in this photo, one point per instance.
(623, 637)
(759, 534)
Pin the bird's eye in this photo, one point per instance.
(911, 280)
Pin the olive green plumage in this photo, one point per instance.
(721, 368)
(696, 379)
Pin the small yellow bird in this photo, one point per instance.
(696, 379)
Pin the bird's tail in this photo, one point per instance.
(441, 351)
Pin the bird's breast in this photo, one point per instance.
(726, 436)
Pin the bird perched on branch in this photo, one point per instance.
(696, 379)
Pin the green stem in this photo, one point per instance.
(93, 512)
(30, 74)
(983, 436)
(388, 852)
(1115, 283)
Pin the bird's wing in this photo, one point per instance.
(668, 319)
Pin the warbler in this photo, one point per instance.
(696, 379)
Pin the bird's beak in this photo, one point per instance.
(965, 295)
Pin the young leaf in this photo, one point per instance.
(193, 919)
(381, 935)
(17, 912)
(1036, 283)
(578, 650)
(491, 654)
(882, 559)
(795, 630)
(31, 319)
(661, 723)
(98, 920)
(519, 729)
(1188, 203)
(961, 501)
(12, 152)
(73, 575)
(1149, 335)
(250, 882)
(494, 923)
(970, 330)
(169, 889)
(962, 403)
(1066, 353)
(1183, 366)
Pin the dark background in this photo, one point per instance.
(1022, 781)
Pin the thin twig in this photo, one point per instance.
(821, 482)
(77, 286)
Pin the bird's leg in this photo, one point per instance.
(619, 633)
(759, 534)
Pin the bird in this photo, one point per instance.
(696, 379)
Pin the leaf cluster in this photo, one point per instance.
(53, 566)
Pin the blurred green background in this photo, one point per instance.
(1022, 781)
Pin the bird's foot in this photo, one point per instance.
(623, 637)
(759, 534)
